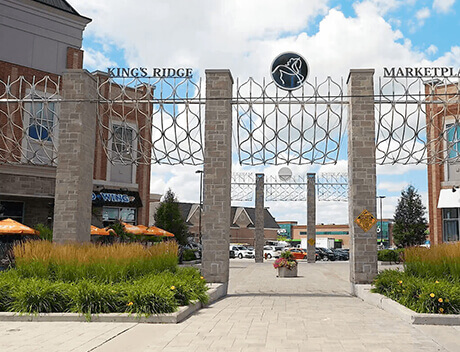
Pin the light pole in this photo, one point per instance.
(381, 219)
(201, 201)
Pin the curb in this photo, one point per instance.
(363, 292)
(215, 292)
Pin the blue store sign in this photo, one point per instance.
(289, 71)
(116, 198)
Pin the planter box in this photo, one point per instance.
(285, 272)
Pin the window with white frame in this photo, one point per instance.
(450, 220)
(41, 132)
(123, 154)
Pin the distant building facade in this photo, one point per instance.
(341, 233)
(242, 226)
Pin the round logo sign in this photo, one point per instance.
(289, 71)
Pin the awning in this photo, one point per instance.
(449, 199)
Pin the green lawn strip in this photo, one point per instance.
(421, 294)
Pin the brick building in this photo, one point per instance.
(341, 235)
(40, 39)
(444, 178)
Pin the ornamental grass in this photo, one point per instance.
(439, 261)
(103, 263)
(92, 279)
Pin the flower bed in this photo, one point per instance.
(91, 279)
(430, 282)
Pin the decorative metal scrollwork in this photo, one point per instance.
(418, 121)
(279, 127)
(29, 120)
(154, 120)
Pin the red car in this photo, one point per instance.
(298, 253)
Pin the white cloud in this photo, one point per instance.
(423, 14)
(443, 6)
(95, 60)
(432, 49)
(392, 186)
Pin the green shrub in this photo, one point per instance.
(146, 297)
(40, 296)
(422, 295)
(389, 255)
(188, 254)
(93, 298)
(151, 294)
(44, 232)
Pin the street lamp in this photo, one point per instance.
(381, 218)
(201, 201)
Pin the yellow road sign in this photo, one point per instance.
(366, 220)
(311, 241)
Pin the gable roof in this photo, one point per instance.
(61, 5)
(269, 220)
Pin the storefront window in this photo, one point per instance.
(450, 224)
(113, 214)
(12, 210)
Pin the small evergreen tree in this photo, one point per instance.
(410, 222)
(169, 218)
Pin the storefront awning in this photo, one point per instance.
(449, 199)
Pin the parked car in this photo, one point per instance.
(298, 253)
(242, 252)
(341, 254)
(327, 254)
(232, 254)
(271, 252)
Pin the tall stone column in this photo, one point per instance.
(74, 173)
(259, 222)
(361, 175)
(217, 176)
(311, 217)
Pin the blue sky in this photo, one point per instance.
(334, 36)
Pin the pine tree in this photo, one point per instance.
(410, 222)
(169, 218)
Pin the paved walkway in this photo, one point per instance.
(313, 312)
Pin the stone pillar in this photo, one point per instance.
(361, 175)
(74, 173)
(260, 220)
(217, 176)
(311, 217)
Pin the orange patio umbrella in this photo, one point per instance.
(101, 232)
(133, 229)
(156, 231)
(12, 227)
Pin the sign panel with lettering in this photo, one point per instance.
(144, 72)
(116, 198)
(421, 72)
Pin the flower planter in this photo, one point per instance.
(285, 272)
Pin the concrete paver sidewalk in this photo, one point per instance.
(313, 312)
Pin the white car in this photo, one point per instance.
(271, 252)
(242, 252)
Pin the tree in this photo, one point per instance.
(169, 218)
(410, 222)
